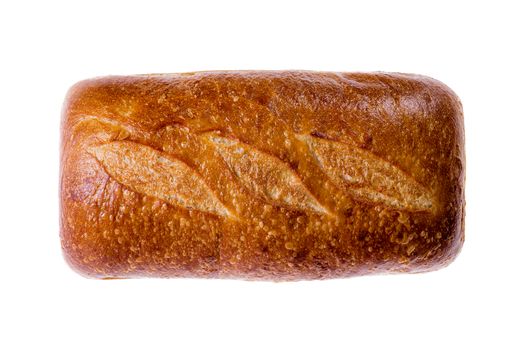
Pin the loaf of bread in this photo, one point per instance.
(285, 175)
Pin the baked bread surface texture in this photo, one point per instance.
(284, 175)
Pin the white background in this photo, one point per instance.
(474, 47)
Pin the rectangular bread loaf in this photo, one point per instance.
(283, 175)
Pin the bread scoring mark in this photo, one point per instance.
(367, 176)
(150, 172)
(265, 175)
(124, 130)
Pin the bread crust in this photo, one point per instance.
(272, 175)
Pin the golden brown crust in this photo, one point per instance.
(261, 175)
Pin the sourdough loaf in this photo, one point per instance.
(281, 175)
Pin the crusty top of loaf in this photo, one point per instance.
(288, 174)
